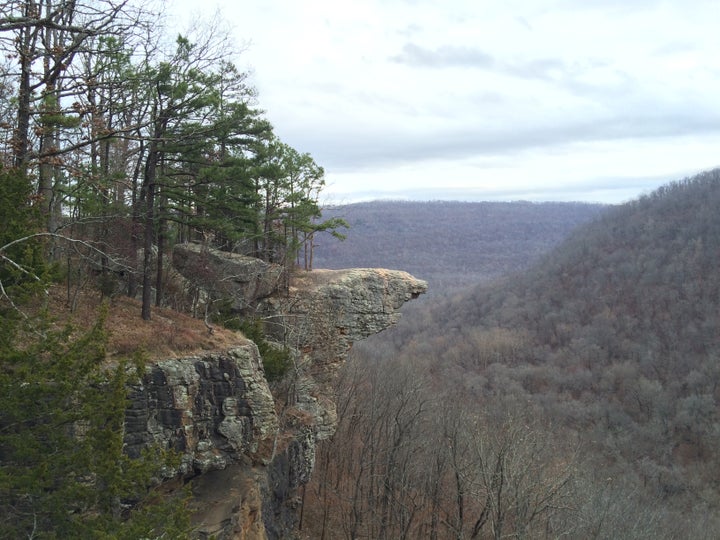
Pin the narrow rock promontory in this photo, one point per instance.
(246, 448)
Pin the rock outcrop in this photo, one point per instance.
(236, 278)
(215, 409)
(325, 312)
(245, 450)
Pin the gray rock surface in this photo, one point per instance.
(219, 274)
(326, 311)
(247, 451)
(214, 409)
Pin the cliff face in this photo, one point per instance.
(246, 449)
(215, 409)
(342, 305)
(325, 312)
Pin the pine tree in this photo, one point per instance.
(63, 473)
(21, 262)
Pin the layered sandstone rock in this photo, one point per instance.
(323, 314)
(215, 409)
(217, 274)
(246, 451)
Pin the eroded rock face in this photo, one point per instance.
(214, 409)
(241, 280)
(327, 310)
(246, 451)
(323, 314)
(228, 503)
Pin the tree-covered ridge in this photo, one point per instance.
(451, 244)
(643, 274)
(131, 144)
(604, 355)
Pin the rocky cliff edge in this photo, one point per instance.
(247, 447)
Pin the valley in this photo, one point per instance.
(574, 395)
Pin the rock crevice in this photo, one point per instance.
(214, 409)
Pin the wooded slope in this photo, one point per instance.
(449, 244)
(599, 364)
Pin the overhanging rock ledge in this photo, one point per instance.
(247, 445)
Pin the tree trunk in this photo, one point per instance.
(160, 254)
(149, 233)
(135, 224)
(22, 133)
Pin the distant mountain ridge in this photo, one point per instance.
(615, 336)
(450, 244)
(650, 265)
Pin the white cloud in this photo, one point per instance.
(543, 99)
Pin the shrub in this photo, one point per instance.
(276, 359)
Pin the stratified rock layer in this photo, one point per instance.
(236, 278)
(323, 314)
(246, 451)
(327, 310)
(215, 409)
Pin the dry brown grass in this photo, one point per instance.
(168, 334)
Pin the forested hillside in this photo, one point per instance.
(449, 244)
(579, 398)
(120, 136)
(576, 396)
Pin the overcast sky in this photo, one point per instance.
(590, 100)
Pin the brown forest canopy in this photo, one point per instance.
(599, 366)
(451, 243)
